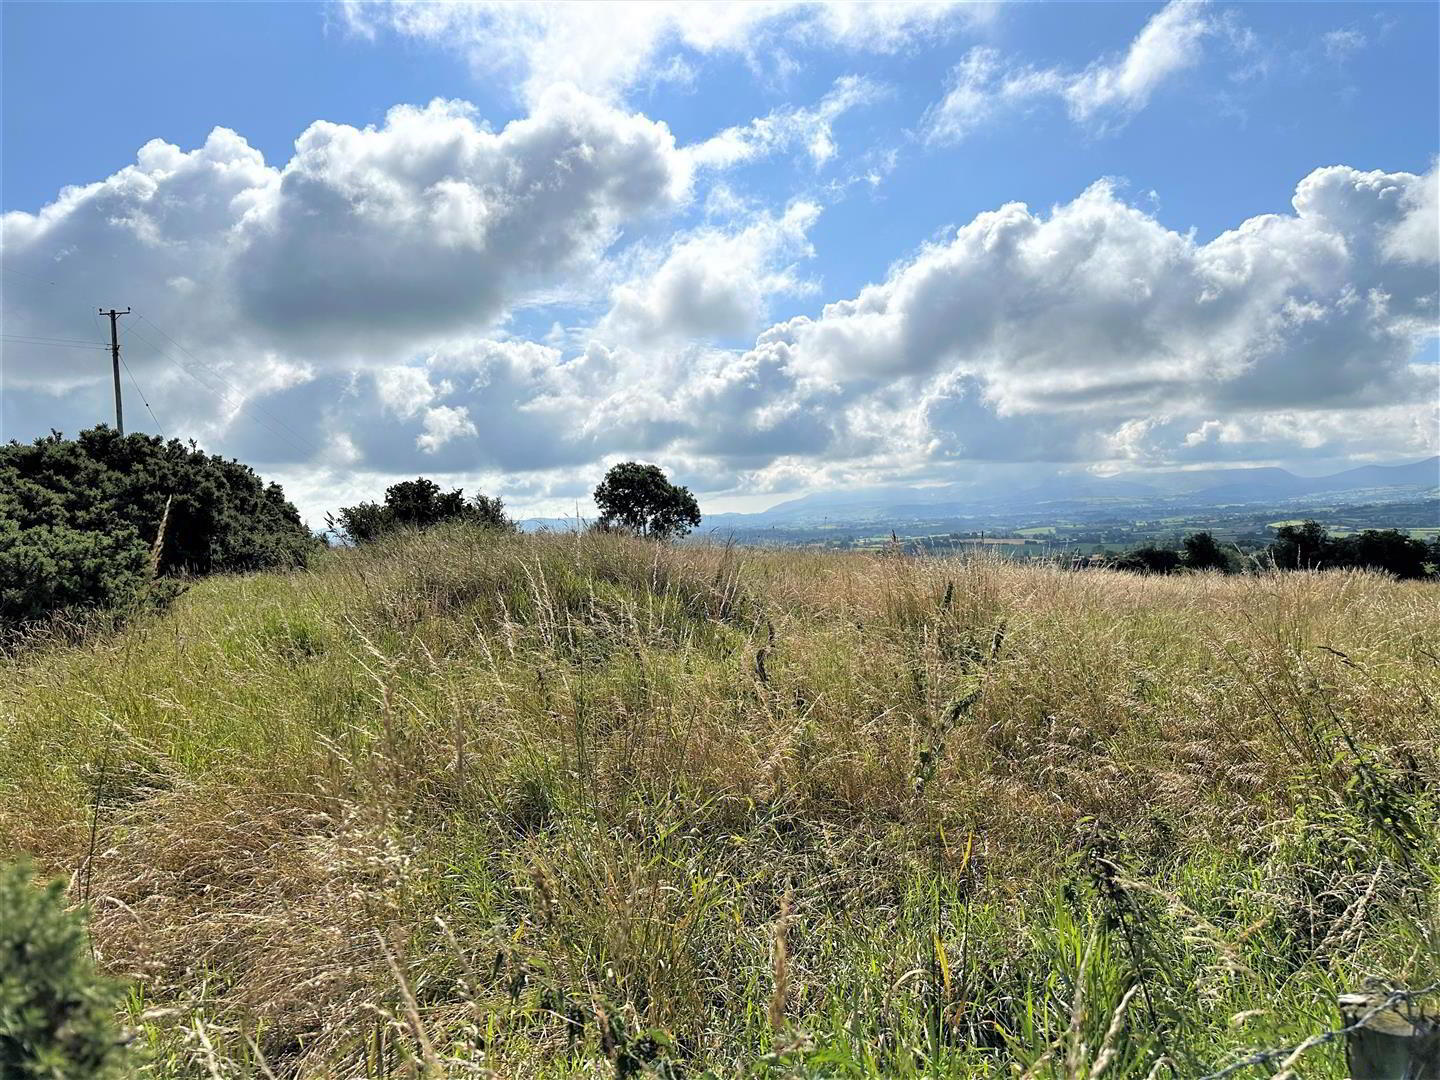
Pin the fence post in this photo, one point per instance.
(1400, 1042)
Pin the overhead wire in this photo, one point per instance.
(22, 273)
(16, 340)
(158, 426)
(257, 413)
(57, 340)
(275, 428)
(303, 442)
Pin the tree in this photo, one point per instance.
(1149, 560)
(1203, 552)
(1384, 549)
(639, 499)
(1310, 546)
(416, 504)
(1302, 547)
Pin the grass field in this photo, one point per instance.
(548, 806)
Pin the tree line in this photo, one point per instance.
(1307, 546)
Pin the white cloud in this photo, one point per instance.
(367, 242)
(1169, 43)
(443, 424)
(355, 313)
(811, 129)
(1098, 302)
(1106, 92)
(1339, 44)
(714, 283)
(606, 47)
(1413, 237)
(374, 236)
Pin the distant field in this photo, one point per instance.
(559, 806)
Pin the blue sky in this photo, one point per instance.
(841, 290)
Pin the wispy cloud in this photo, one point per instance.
(1105, 92)
(812, 128)
(607, 47)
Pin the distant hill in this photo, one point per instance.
(881, 506)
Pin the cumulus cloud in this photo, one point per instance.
(1097, 307)
(1090, 333)
(352, 313)
(1106, 92)
(432, 221)
(368, 239)
(606, 47)
(714, 283)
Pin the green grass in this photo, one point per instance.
(550, 805)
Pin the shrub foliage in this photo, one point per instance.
(415, 504)
(56, 1015)
(79, 520)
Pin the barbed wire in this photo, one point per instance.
(1263, 1057)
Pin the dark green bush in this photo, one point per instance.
(1203, 552)
(1149, 560)
(415, 504)
(79, 519)
(57, 1016)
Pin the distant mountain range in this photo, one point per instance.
(1187, 487)
(892, 505)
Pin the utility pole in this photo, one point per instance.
(115, 361)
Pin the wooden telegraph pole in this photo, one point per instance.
(115, 361)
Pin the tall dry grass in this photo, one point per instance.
(544, 804)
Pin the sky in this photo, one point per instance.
(773, 248)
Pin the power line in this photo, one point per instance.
(276, 428)
(207, 386)
(55, 344)
(23, 274)
(303, 443)
(57, 340)
(141, 394)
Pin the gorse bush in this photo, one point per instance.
(416, 504)
(57, 1016)
(79, 519)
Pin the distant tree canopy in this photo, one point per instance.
(1203, 552)
(79, 519)
(1149, 560)
(1309, 546)
(415, 504)
(639, 499)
